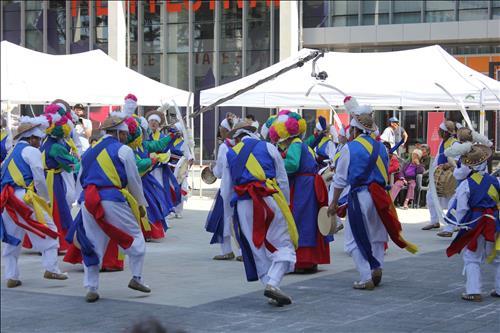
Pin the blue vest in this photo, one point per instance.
(359, 160)
(49, 161)
(97, 176)
(321, 149)
(307, 161)
(441, 158)
(3, 147)
(177, 149)
(479, 196)
(23, 167)
(263, 157)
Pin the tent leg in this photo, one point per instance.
(201, 151)
(482, 113)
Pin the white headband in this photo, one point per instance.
(33, 132)
(356, 123)
(122, 127)
(154, 117)
(443, 127)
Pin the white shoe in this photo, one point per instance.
(178, 215)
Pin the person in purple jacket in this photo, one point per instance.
(407, 177)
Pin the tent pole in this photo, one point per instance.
(201, 151)
(482, 113)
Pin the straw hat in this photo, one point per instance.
(464, 134)
(158, 113)
(477, 155)
(25, 127)
(241, 125)
(448, 126)
(111, 122)
(364, 121)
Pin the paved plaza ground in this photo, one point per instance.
(193, 293)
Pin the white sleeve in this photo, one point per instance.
(463, 194)
(134, 186)
(33, 157)
(76, 140)
(341, 171)
(281, 175)
(461, 173)
(330, 150)
(218, 168)
(87, 123)
(226, 185)
(386, 135)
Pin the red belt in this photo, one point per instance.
(15, 206)
(262, 214)
(485, 226)
(94, 206)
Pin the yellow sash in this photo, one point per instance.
(254, 167)
(380, 164)
(106, 164)
(30, 197)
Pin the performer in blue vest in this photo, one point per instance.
(112, 204)
(362, 165)
(447, 131)
(477, 213)
(322, 142)
(24, 204)
(308, 192)
(5, 140)
(60, 168)
(264, 224)
(220, 218)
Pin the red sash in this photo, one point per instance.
(14, 206)
(263, 215)
(94, 206)
(485, 226)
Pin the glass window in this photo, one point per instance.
(258, 39)
(34, 25)
(407, 12)
(176, 11)
(152, 27)
(315, 13)
(56, 27)
(131, 7)
(79, 26)
(375, 12)
(472, 10)
(101, 25)
(345, 13)
(177, 70)
(439, 11)
(11, 21)
(495, 10)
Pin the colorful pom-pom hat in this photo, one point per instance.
(286, 125)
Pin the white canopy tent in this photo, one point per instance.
(92, 78)
(386, 80)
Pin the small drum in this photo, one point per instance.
(327, 175)
(326, 224)
(208, 176)
(445, 182)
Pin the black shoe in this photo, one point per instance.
(276, 294)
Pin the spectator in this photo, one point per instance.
(393, 160)
(393, 133)
(83, 127)
(407, 177)
(227, 124)
(251, 119)
(426, 156)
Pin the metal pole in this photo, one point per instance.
(45, 5)
(69, 35)
(201, 153)
(22, 26)
(216, 66)
(128, 34)
(482, 113)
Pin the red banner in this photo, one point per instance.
(434, 119)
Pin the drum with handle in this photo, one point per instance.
(208, 176)
(181, 169)
(445, 182)
(326, 224)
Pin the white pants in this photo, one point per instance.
(376, 234)
(271, 266)
(47, 246)
(226, 246)
(472, 271)
(119, 215)
(433, 209)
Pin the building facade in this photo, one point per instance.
(469, 30)
(219, 41)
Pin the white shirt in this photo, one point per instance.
(224, 123)
(389, 136)
(279, 164)
(218, 169)
(342, 169)
(134, 183)
(83, 140)
(33, 157)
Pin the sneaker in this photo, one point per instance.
(472, 297)
(136, 285)
(178, 215)
(11, 283)
(239, 258)
(445, 234)
(55, 276)
(277, 295)
(431, 226)
(227, 256)
(377, 276)
(91, 297)
(368, 285)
